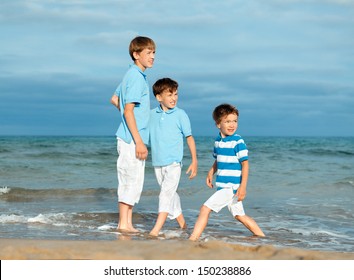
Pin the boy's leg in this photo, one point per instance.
(251, 224)
(176, 212)
(215, 203)
(130, 181)
(130, 219)
(237, 210)
(125, 217)
(181, 221)
(161, 219)
(168, 179)
(130, 215)
(201, 223)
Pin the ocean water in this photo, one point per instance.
(300, 192)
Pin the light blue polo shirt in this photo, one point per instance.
(167, 132)
(134, 89)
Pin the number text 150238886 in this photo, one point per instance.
(222, 270)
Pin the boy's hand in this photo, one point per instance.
(241, 194)
(115, 101)
(193, 170)
(209, 179)
(141, 152)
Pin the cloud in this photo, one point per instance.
(288, 65)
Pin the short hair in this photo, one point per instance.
(222, 111)
(164, 84)
(139, 43)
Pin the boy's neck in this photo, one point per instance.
(223, 135)
(165, 109)
(142, 68)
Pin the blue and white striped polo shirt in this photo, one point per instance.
(229, 152)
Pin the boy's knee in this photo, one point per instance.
(240, 218)
(204, 210)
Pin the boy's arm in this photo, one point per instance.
(115, 101)
(209, 178)
(193, 167)
(241, 191)
(141, 151)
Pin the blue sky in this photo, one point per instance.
(288, 65)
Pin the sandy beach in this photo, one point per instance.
(24, 249)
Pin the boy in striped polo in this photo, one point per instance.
(231, 168)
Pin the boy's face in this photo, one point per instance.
(145, 58)
(228, 125)
(167, 99)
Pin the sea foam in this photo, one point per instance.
(4, 190)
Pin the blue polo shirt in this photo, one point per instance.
(167, 132)
(134, 89)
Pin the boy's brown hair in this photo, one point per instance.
(164, 84)
(139, 43)
(222, 111)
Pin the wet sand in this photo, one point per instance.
(25, 249)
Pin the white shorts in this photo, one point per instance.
(168, 179)
(130, 171)
(225, 197)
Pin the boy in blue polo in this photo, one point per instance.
(231, 168)
(168, 126)
(132, 98)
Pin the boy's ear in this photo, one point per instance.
(136, 55)
(217, 125)
(158, 97)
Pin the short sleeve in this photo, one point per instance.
(185, 124)
(135, 87)
(241, 150)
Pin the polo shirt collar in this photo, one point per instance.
(219, 138)
(137, 68)
(159, 110)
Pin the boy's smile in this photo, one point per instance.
(167, 99)
(228, 125)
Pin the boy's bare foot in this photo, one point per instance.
(154, 234)
(184, 226)
(128, 229)
(193, 237)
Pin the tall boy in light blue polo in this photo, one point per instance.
(132, 98)
(169, 125)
